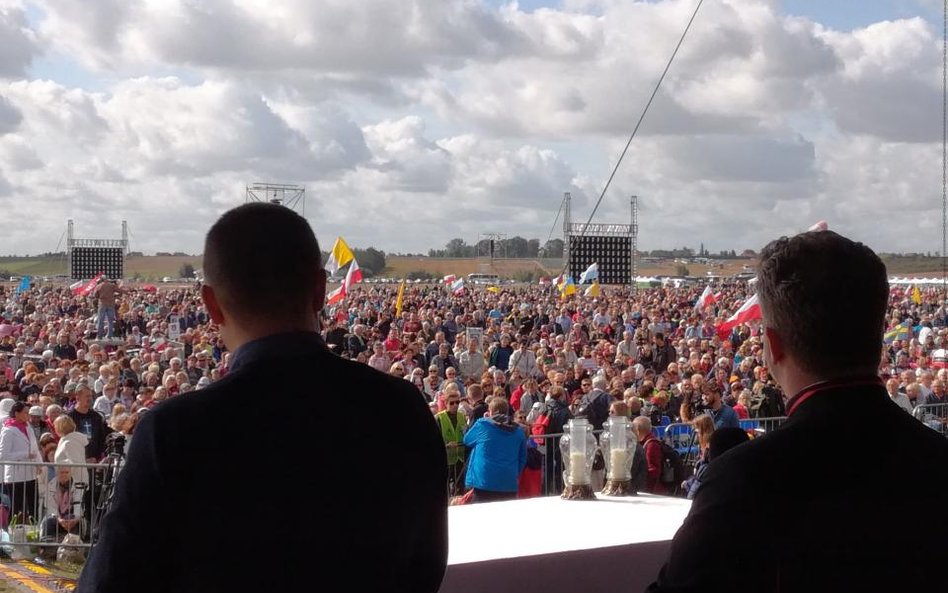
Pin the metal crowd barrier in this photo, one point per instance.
(762, 424)
(934, 416)
(43, 503)
(679, 435)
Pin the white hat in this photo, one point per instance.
(37, 411)
(5, 406)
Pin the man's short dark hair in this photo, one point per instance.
(261, 259)
(826, 296)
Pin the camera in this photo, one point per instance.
(115, 444)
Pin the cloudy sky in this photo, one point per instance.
(414, 121)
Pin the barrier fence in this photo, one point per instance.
(680, 436)
(48, 507)
(934, 416)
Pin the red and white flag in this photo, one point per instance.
(450, 278)
(749, 311)
(80, 289)
(354, 274)
(336, 295)
(706, 299)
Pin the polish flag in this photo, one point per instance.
(706, 299)
(449, 279)
(749, 311)
(819, 226)
(354, 274)
(336, 295)
(87, 288)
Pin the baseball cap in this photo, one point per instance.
(36, 411)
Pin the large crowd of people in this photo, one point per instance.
(651, 349)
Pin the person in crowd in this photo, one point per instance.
(107, 292)
(742, 407)
(594, 404)
(63, 504)
(478, 404)
(444, 360)
(452, 425)
(783, 487)
(397, 369)
(18, 443)
(558, 413)
(471, 362)
(639, 471)
(898, 397)
(37, 421)
(501, 354)
(71, 447)
(380, 360)
(654, 460)
(89, 422)
(723, 415)
(109, 398)
(703, 429)
(266, 305)
(431, 384)
(524, 360)
(498, 454)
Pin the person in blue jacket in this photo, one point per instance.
(499, 454)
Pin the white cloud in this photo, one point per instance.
(17, 42)
(414, 122)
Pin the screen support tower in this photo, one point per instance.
(291, 196)
(490, 246)
(88, 257)
(635, 241)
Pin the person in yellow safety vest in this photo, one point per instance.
(452, 426)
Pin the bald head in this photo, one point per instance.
(642, 426)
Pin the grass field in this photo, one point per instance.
(153, 268)
(149, 267)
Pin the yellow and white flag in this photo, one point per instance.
(339, 256)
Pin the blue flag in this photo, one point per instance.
(24, 285)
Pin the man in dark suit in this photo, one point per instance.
(251, 506)
(828, 501)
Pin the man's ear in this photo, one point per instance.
(212, 304)
(775, 344)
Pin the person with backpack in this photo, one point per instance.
(594, 404)
(551, 421)
(654, 457)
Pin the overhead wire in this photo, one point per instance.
(638, 124)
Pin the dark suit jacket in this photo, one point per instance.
(849, 495)
(340, 503)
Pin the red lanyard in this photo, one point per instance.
(816, 388)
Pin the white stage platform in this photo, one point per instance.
(552, 545)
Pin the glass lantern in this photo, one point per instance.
(618, 450)
(578, 447)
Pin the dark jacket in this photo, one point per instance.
(664, 355)
(189, 504)
(93, 425)
(809, 513)
(559, 416)
(595, 407)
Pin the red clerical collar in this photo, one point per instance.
(811, 390)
